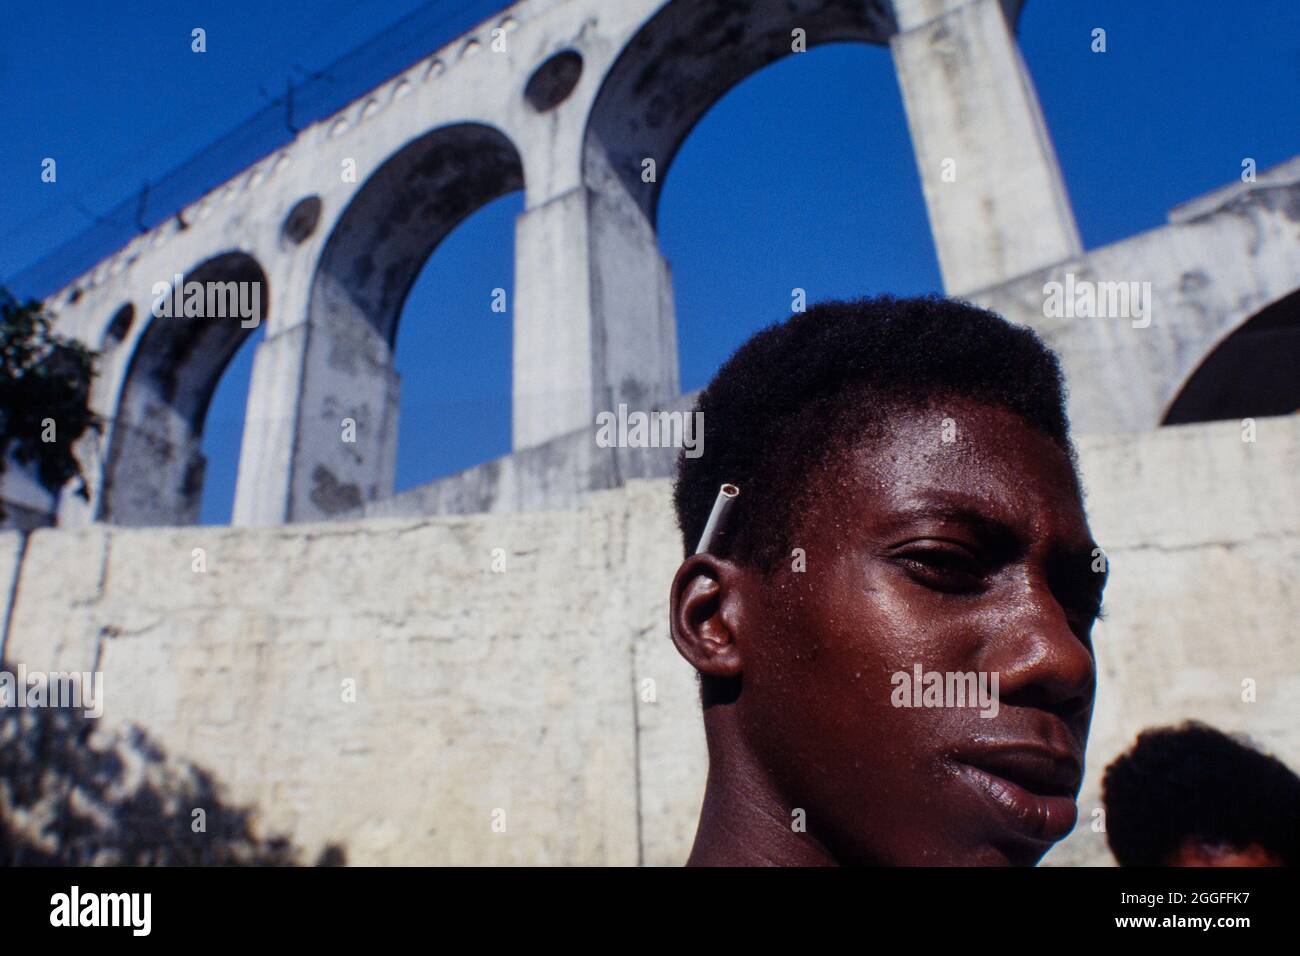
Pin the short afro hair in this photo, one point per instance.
(819, 382)
(1195, 782)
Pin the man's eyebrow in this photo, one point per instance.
(990, 525)
(950, 511)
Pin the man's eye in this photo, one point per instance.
(943, 569)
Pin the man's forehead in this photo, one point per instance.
(988, 466)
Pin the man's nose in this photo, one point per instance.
(1040, 660)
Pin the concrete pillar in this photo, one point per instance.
(300, 460)
(594, 322)
(266, 452)
(999, 209)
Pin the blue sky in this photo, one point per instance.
(801, 176)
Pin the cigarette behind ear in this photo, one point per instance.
(717, 517)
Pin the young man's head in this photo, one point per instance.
(909, 508)
(1193, 796)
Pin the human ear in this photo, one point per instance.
(705, 611)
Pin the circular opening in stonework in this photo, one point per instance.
(119, 326)
(553, 81)
(301, 221)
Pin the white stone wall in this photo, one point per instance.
(524, 691)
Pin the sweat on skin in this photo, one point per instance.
(974, 557)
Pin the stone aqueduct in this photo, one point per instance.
(583, 93)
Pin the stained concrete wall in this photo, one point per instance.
(557, 474)
(525, 691)
(1222, 259)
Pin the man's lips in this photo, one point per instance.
(1036, 768)
(1032, 787)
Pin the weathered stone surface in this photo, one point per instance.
(474, 691)
(56, 618)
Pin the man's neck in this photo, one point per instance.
(743, 822)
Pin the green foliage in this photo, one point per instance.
(44, 394)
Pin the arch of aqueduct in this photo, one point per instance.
(581, 95)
